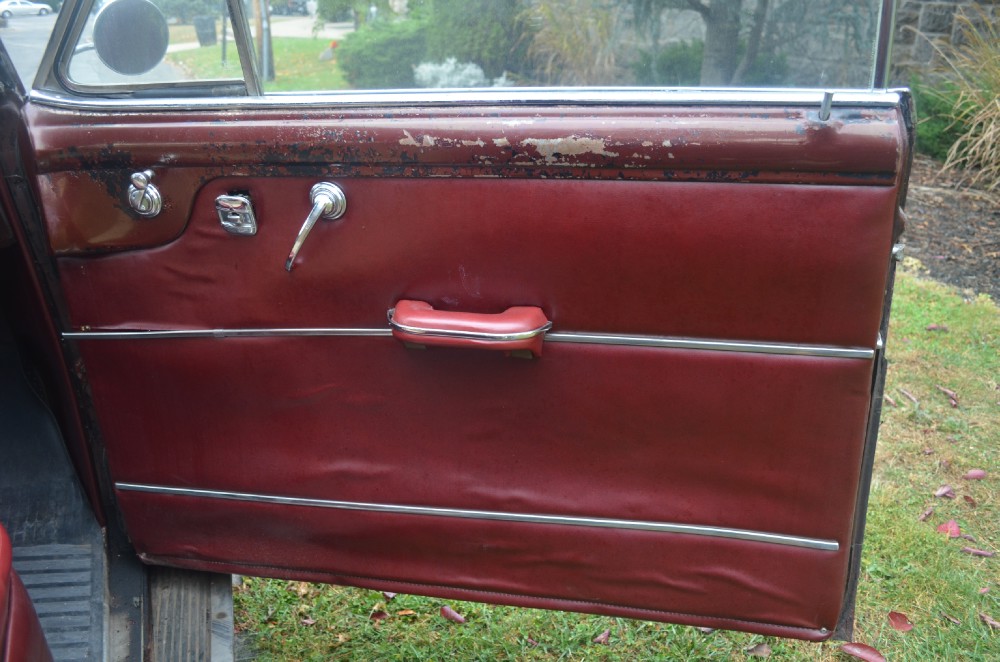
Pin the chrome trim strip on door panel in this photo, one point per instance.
(661, 342)
(564, 520)
(513, 97)
(221, 333)
(712, 345)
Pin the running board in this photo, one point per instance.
(192, 616)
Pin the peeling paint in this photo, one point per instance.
(478, 142)
(408, 140)
(553, 148)
(647, 143)
(666, 143)
(428, 141)
(501, 142)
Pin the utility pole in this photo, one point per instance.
(265, 53)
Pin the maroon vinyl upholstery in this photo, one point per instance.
(750, 225)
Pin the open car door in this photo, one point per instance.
(606, 350)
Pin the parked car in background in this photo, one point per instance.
(10, 8)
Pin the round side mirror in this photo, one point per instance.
(130, 36)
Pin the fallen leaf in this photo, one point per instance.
(378, 616)
(451, 614)
(603, 637)
(888, 398)
(927, 513)
(343, 638)
(937, 327)
(945, 491)
(899, 621)
(978, 552)
(532, 642)
(992, 622)
(984, 590)
(308, 621)
(928, 451)
(388, 595)
(969, 500)
(944, 464)
(951, 528)
(947, 391)
(760, 650)
(706, 630)
(862, 652)
(909, 396)
(953, 402)
(968, 537)
(951, 618)
(302, 588)
(406, 612)
(975, 474)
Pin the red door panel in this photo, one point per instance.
(687, 447)
(675, 259)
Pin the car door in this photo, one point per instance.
(606, 350)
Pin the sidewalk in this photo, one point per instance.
(285, 26)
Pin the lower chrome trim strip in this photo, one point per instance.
(564, 520)
(662, 342)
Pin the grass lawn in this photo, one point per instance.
(297, 64)
(907, 565)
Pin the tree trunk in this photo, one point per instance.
(722, 34)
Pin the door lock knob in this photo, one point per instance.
(143, 197)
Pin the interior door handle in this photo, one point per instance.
(329, 202)
(517, 328)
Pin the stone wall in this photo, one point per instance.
(922, 24)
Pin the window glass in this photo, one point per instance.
(332, 45)
(199, 47)
(387, 44)
(25, 28)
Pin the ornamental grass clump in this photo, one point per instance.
(973, 66)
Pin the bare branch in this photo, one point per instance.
(698, 6)
(753, 42)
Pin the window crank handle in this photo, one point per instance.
(328, 202)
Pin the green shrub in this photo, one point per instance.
(936, 130)
(678, 64)
(486, 32)
(383, 55)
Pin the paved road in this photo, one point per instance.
(25, 38)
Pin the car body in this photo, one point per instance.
(10, 8)
(611, 350)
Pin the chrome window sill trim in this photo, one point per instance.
(515, 97)
(563, 520)
(661, 342)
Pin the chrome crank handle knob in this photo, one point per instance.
(328, 202)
